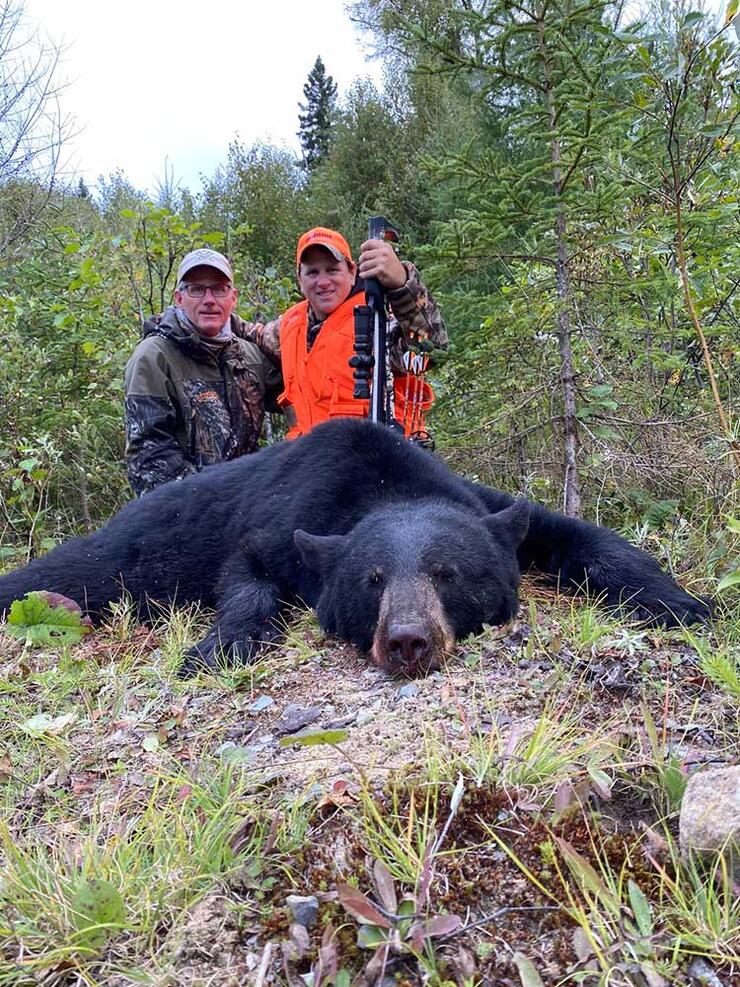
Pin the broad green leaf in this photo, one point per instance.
(640, 908)
(728, 581)
(309, 738)
(527, 972)
(36, 621)
(601, 780)
(733, 524)
(98, 911)
(370, 936)
(584, 872)
(674, 781)
(732, 7)
(693, 17)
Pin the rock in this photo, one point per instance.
(408, 691)
(341, 722)
(700, 971)
(710, 813)
(260, 703)
(364, 716)
(303, 908)
(295, 718)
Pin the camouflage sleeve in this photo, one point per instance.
(416, 311)
(153, 454)
(265, 335)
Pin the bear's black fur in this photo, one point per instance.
(394, 551)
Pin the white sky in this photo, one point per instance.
(156, 80)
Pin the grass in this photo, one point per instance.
(524, 806)
(159, 854)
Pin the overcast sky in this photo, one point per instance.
(156, 80)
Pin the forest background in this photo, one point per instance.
(565, 176)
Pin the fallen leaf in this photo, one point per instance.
(438, 925)
(42, 724)
(308, 738)
(360, 907)
(385, 886)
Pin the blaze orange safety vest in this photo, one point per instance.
(319, 384)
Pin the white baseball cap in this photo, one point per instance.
(204, 258)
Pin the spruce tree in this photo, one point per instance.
(316, 115)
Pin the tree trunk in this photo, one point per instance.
(571, 485)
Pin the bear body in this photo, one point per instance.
(395, 552)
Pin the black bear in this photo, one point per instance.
(395, 552)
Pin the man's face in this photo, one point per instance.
(208, 313)
(324, 281)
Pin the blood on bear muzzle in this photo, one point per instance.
(412, 634)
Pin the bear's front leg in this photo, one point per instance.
(247, 617)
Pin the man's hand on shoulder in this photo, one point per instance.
(378, 260)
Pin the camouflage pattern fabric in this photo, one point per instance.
(190, 404)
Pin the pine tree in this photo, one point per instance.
(316, 115)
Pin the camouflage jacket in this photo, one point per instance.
(189, 404)
(415, 316)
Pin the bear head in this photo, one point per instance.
(412, 578)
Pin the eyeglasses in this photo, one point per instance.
(199, 290)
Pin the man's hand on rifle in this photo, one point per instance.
(378, 260)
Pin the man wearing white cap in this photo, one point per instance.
(195, 391)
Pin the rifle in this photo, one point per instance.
(370, 337)
(371, 352)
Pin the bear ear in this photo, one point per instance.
(319, 552)
(510, 526)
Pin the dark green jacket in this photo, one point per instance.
(189, 404)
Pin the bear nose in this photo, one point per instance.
(408, 644)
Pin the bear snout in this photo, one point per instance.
(412, 634)
(408, 644)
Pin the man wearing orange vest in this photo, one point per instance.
(314, 340)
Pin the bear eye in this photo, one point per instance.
(443, 574)
(375, 578)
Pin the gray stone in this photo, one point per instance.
(408, 691)
(700, 971)
(304, 909)
(295, 718)
(260, 703)
(710, 814)
(341, 721)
